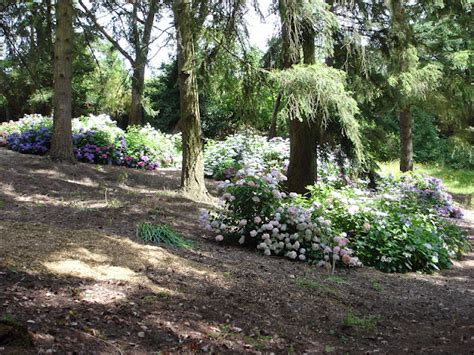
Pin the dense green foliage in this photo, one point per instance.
(398, 228)
(97, 139)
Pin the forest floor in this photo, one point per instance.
(74, 275)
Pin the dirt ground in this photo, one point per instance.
(74, 274)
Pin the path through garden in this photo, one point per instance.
(73, 272)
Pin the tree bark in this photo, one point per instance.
(192, 173)
(406, 140)
(61, 143)
(273, 126)
(138, 83)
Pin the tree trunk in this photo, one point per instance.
(138, 83)
(303, 134)
(273, 126)
(406, 141)
(192, 174)
(61, 143)
(303, 163)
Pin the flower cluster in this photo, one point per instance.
(224, 159)
(31, 141)
(97, 140)
(396, 228)
(3, 139)
(430, 192)
(255, 212)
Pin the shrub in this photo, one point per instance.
(143, 146)
(397, 229)
(255, 212)
(224, 159)
(97, 140)
(30, 141)
(6, 128)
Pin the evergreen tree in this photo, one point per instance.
(61, 142)
(192, 172)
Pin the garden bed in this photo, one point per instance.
(74, 273)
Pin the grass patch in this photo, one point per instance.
(162, 234)
(337, 280)
(377, 286)
(258, 342)
(367, 324)
(151, 299)
(225, 331)
(8, 318)
(307, 283)
(457, 181)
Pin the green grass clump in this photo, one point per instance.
(363, 323)
(161, 234)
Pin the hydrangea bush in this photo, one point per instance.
(224, 159)
(399, 228)
(256, 212)
(395, 229)
(30, 135)
(428, 193)
(97, 140)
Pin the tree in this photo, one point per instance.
(192, 172)
(61, 142)
(314, 93)
(138, 32)
(303, 139)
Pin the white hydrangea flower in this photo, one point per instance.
(292, 255)
(242, 239)
(219, 238)
(302, 257)
(243, 222)
(267, 252)
(253, 233)
(276, 194)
